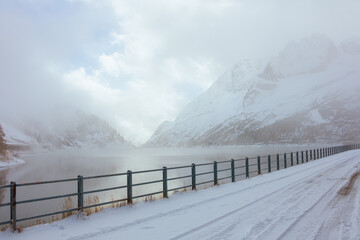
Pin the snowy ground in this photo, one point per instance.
(11, 163)
(302, 202)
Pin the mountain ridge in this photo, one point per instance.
(308, 93)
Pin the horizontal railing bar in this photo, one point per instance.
(181, 177)
(105, 203)
(46, 215)
(148, 194)
(240, 159)
(46, 182)
(254, 164)
(4, 223)
(211, 181)
(224, 178)
(5, 204)
(5, 186)
(204, 173)
(46, 198)
(146, 171)
(180, 167)
(240, 167)
(240, 174)
(104, 189)
(106, 175)
(252, 158)
(263, 163)
(226, 161)
(253, 171)
(223, 170)
(177, 188)
(146, 183)
(204, 164)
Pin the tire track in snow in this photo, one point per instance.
(337, 223)
(301, 225)
(279, 214)
(317, 211)
(332, 167)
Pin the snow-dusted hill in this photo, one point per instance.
(75, 131)
(308, 93)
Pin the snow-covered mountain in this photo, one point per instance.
(308, 93)
(73, 131)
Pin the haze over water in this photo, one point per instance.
(43, 166)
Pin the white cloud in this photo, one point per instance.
(138, 63)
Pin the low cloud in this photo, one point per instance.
(138, 63)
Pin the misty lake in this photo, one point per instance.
(41, 166)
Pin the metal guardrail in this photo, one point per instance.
(250, 166)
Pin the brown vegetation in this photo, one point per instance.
(3, 147)
(345, 190)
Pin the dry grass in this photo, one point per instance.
(152, 198)
(345, 190)
(66, 205)
(3, 228)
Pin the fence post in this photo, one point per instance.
(297, 158)
(129, 187)
(292, 158)
(277, 162)
(193, 177)
(165, 183)
(247, 167)
(13, 205)
(311, 158)
(215, 173)
(318, 156)
(307, 156)
(302, 156)
(232, 170)
(258, 165)
(269, 163)
(80, 196)
(285, 160)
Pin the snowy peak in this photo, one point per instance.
(351, 46)
(238, 78)
(310, 55)
(77, 130)
(308, 93)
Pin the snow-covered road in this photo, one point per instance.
(309, 201)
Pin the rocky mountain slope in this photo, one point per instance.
(308, 93)
(77, 131)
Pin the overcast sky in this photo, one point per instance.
(138, 63)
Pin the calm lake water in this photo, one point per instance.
(42, 166)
